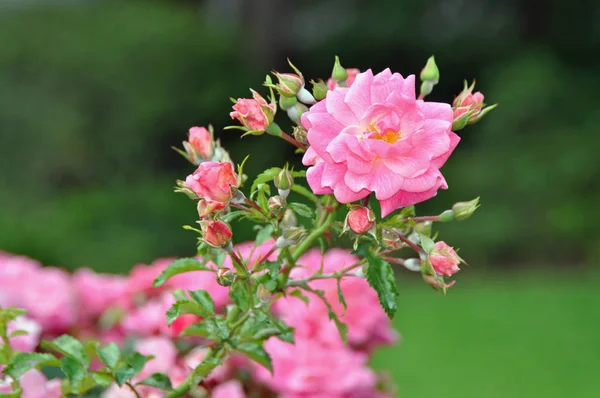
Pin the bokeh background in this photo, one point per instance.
(93, 93)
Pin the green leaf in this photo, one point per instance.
(102, 379)
(264, 234)
(158, 380)
(17, 333)
(204, 300)
(24, 361)
(200, 329)
(204, 368)
(12, 394)
(341, 326)
(302, 209)
(75, 372)
(381, 278)
(287, 333)
(132, 366)
(298, 293)
(68, 346)
(229, 217)
(426, 243)
(257, 353)
(110, 355)
(340, 293)
(299, 173)
(219, 257)
(263, 177)
(177, 267)
(240, 294)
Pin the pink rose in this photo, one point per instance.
(255, 114)
(360, 219)
(201, 141)
(142, 276)
(28, 342)
(444, 259)
(352, 73)
(230, 389)
(212, 181)
(377, 137)
(309, 369)
(216, 233)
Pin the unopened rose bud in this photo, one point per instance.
(255, 114)
(447, 216)
(286, 103)
(206, 208)
(360, 220)
(215, 233)
(338, 74)
(464, 210)
(213, 181)
(289, 84)
(306, 97)
(225, 277)
(444, 259)
(390, 239)
(276, 205)
(290, 236)
(430, 72)
(319, 90)
(300, 134)
(296, 111)
(289, 219)
(352, 73)
(263, 294)
(284, 179)
(199, 145)
(469, 107)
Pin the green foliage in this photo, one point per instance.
(381, 278)
(177, 267)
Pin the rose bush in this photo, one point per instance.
(276, 317)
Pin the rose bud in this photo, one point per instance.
(199, 145)
(430, 76)
(213, 181)
(225, 277)
(263, 293)
(289, 84)
(469, 107)
(283, 182)
(276, 205)
(255, 114)
(444, 259)
(341, 77)
(216, 233)
(360, 220)
(319, 90)
(464, 210)
(299, 134)
(206, 208)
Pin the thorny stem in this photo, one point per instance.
(313, 236)
(135, 391)
(293, 141)
(241, 268)
(253, 204)
(264, 258)
(336, 275)
(409, 243)
(423, 218)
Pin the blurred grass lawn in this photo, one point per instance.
(497, 336)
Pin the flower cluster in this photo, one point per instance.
(117, 309)
(273, 317)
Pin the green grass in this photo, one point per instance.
(520, 335)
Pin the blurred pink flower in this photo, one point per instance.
(34, 385)
(28, 342)
(230, 389)
(164, 352)
(98, 292)
(308, 369)
(377, 137)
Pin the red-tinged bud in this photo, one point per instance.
(263, 293)
(444, 259)
(216, 233)
(464, 210)
(276, 205)
(206, 208)
(199, 146)
(225, 277)
(360, 220)
(300, 134)
(469, 107)
(255, 114)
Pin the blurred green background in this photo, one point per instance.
(93, 94)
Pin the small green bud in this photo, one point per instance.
(225, 277)
(299, 134)
(319, 89)
(447, 216)
(430, 73)
(284, 179)
(289, 83)
(464, 210)
(287, 102)
(339, 73)
(276, 205)
(263, 294)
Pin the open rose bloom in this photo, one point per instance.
(377, 137)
